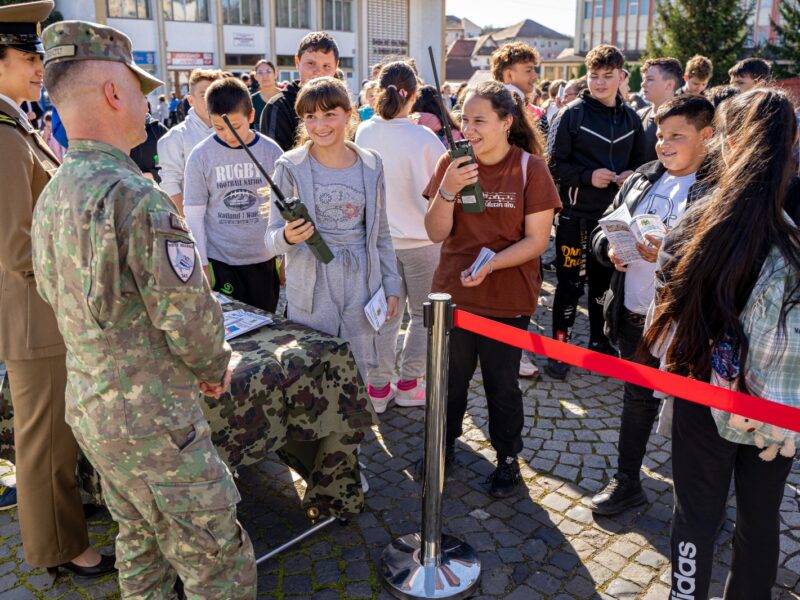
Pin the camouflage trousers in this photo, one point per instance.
(175, 503)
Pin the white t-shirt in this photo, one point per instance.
(667, 199)
(410, 153)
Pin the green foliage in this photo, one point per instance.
(582, 70)
(714, 28)
(54, 17)
(635, 82)
(789, 35)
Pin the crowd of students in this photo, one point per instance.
(718, 166)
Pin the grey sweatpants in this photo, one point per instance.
(340, 295)
(415, 267)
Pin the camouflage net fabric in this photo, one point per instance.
(294, 391)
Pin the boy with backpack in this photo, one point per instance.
(595, 143)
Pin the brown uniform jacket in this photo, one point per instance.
(28, 326)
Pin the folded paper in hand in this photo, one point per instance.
(483, 258)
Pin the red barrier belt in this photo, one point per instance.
(706, 394)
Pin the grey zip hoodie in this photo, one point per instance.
(293, 177)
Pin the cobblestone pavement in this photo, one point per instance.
(542, 543)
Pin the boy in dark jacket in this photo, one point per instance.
(317, 56)
(595, 143)
(664, 187)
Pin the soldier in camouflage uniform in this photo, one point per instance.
(143, 334)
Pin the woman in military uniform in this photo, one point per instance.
(51, 516)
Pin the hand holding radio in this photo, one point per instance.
(298, 231)
(461, 172)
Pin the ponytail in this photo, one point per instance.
(396, 85)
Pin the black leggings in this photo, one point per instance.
(574, 266)
(500, 370)
(702, 466)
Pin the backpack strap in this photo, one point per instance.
(525, 157)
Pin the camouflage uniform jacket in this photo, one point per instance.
(121, 271)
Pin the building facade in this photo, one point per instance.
(457, 28)
(172, 37)
(625, 23)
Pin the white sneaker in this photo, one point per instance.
(527, 368)
(413, 397)
(380, 404)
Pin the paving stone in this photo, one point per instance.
(623, 590)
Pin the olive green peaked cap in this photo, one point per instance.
(81, 40)
(19, 25)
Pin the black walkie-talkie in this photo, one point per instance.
(471, 195)
(291, 209)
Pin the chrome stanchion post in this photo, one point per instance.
(429, 564)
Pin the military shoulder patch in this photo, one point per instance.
(181, 258)
(178, 222)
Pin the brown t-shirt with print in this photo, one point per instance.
(508, 197)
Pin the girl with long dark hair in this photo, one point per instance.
(520, 201)
(709, 266)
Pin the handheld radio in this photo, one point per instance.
(471, 195)
(291, 209)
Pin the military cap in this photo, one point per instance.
(80, 40)
(20, 25)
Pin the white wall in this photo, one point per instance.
(425, 26)
(141, 32)
(192, 37)
(77, 9)
(260, 36)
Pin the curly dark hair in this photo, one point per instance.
(507, 55)
(604, 56)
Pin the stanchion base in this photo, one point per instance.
(404, 577)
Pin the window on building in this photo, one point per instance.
(292, 13)
(634, 8)
(243, 60)
(585, 42)
(622, 8)
(338, 15)
(241, 12)
(128, 9)
(609, 12)
(644, 7)
(186, 10)
(598, 9)
(587, 9)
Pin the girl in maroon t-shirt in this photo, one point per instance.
(520, 203)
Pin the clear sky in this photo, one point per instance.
(555, 14)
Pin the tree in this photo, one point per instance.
(788, 48)
(717, 29)
(54, 17)
(635, 82)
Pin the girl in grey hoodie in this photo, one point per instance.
(343, 187)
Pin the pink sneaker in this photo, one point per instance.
(380, 404)
(413, 397)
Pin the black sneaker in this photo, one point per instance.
(506, 478)
(449, 463)
(550, 267)
(556, 369)
(621, 493)
(604, 347)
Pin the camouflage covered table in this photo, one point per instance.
(294, 391)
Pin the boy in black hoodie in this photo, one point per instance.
(594, 145)
(317, 56)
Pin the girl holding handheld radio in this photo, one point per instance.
(342, 188)
(520, 199)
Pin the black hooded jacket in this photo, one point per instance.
(279, 120)
(588, 135)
